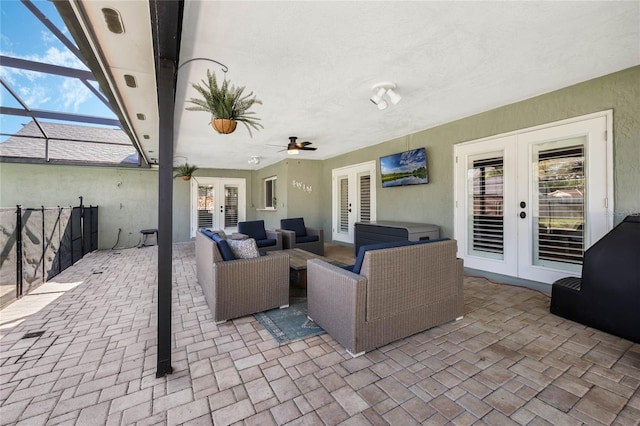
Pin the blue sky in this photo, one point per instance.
(22, 35)
(403, 162)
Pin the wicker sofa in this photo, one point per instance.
(400, 290)
(236, 288)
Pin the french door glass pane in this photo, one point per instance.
(205, 206)
(485, 176)
(560, 220)
(230, 206)
(344, 204)
(365, 197)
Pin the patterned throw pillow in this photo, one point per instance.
(244, 249)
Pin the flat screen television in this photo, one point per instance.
(404, 168)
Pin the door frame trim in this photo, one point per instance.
(459, 198)
(193, 196)
(370, 166)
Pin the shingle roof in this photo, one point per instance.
(91, 152)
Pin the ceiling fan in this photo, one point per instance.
(294, 147)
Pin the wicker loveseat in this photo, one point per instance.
(236, 288)
(398, 291)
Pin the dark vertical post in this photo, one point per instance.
(18, 250)
(166, 28)
(59, 256)
(166, 74)
(44, 247)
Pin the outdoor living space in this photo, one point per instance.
(92, 360)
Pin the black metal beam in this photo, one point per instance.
(166, 27)
(55, 115)
(61, 162)
(8, 61)
(65, 139)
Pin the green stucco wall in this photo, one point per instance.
(126, 198)
(433, 203)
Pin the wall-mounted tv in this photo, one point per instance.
(404, 168)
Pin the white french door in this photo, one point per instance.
(529, 204)
(354, 199)
(218, 203)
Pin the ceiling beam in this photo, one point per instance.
(55, 115)
(8, 61)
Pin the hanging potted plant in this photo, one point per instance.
(185, 171)
(226, 103)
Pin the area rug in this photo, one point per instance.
(289, 324)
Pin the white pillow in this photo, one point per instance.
(244, 249)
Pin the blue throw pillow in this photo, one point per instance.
(296, 225)
(224, 248)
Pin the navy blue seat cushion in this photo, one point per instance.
(267, 242)
(254, 229)
(296, 225)
(223, 246)
(306, 239)
(363, 249)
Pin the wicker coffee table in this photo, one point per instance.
(298, 264)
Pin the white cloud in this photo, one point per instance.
(47, 36)
(74, 94)
(34, 96)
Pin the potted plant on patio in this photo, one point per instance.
(185, 171)
(226, 103)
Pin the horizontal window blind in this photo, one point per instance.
(561, 209)
(231, 207)
(365, 198)
(344, 205)
(488, 214)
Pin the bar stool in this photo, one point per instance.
(146, 233)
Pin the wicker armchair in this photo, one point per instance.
(295, 234)
(398, 292)
(236, 288)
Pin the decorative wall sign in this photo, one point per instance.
(302, 186)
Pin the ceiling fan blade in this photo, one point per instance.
(307, 148)
(301, 144)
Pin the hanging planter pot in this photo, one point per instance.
(227, 104)
(185, 171)
(224, 125)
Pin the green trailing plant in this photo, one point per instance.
(185, 170)
(226, 101)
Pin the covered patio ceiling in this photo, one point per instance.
(313, 65)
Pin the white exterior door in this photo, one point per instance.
(353, 199)
(530, 203)
(217, 203)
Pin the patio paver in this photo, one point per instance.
(509, 361)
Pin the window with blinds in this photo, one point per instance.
(230, 206)
(561, 208)
(365, 198)
(205, 206)
(487, 230)
(344, 205)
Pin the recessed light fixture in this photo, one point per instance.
(130, 80)
(113, 19)
(146, 137)
(141, 116)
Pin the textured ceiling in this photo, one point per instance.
(313, 65)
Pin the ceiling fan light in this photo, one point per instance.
(393, 96)
(293, 151)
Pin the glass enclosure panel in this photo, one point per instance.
(230, 206)
(205, 206)
(485, 191)
(559, 214)
(343, 187)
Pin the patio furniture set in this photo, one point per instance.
(394, 289)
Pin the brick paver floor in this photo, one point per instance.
(509, 361)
